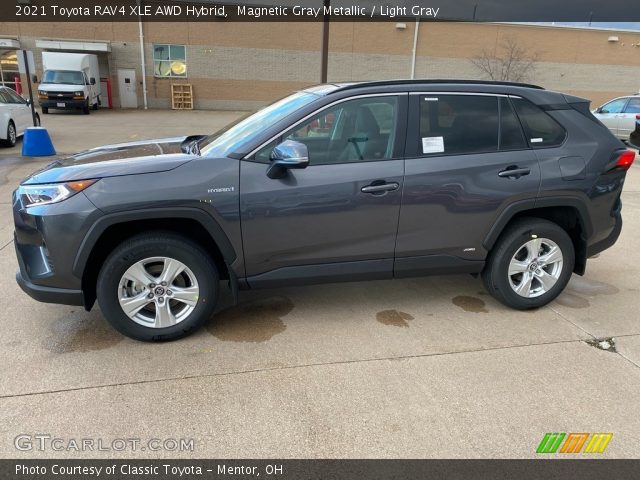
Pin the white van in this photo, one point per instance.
(69, 81)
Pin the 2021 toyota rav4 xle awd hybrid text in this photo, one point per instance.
(334, 183)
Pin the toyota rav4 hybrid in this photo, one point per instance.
(333, 183)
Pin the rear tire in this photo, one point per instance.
(139, 275)
(530, 265)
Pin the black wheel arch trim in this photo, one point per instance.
(108, 220)
(541, 202)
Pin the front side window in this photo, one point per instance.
(614, 106)
(13, 97)
(357, 130)
(169, 60)
(541, 130)
(458, 124)
(633, 106)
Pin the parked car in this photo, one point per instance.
(15, 116)
(333, 183)
(619, 115)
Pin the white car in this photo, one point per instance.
(619, 115)
(15, 116)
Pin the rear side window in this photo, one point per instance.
(540, 129)
(511, 137)
(633, 106)
(458, 124)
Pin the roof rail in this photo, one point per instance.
(434, 81)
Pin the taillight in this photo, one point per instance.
(625, 160)
(638, 116)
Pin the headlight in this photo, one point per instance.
(79, 94)
(42, 92)
(32, 195)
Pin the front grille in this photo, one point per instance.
(60, 95)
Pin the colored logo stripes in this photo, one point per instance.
(574, 442)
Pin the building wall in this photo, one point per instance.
(244, 65)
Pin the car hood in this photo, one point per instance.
(149, 156)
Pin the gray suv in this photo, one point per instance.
(338, 182)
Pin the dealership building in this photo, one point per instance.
(242, 65)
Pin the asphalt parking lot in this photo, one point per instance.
(416, 368)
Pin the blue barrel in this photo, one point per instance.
(37, 143)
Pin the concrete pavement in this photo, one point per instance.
(429, 367)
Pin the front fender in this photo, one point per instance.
(98, 228)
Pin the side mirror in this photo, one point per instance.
(288, 154)
(34, 78)
(92, 81)
(28, 102)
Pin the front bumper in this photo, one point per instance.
(49, 294)
(46, 241)
(67, 103)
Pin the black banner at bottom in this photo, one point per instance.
(546, 469)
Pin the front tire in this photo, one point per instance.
(530, 265)
(45, 110)
(85, 109)
(12, 135)
(158, 286)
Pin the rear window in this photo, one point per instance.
(458, 124)
(540, 129)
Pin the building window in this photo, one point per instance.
(169, 60)
(9, 74)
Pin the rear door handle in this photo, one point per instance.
(378, 188)
(514, 172)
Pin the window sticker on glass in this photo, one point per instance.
(430, 99)
(432, 144)
(537, 140)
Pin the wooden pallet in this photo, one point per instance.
(181, 96)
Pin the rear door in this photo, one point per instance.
(337, 218)
(467, 158)
(627, 119)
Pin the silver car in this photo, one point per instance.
(619, 115)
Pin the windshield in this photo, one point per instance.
(63, 77)
(225, 141)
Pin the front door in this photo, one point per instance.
(336, 219)
(467, 157)
(609, 114)
(127, 88)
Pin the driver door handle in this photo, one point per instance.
(383, 187)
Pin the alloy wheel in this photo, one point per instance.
(158, 292)
(535, 267)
